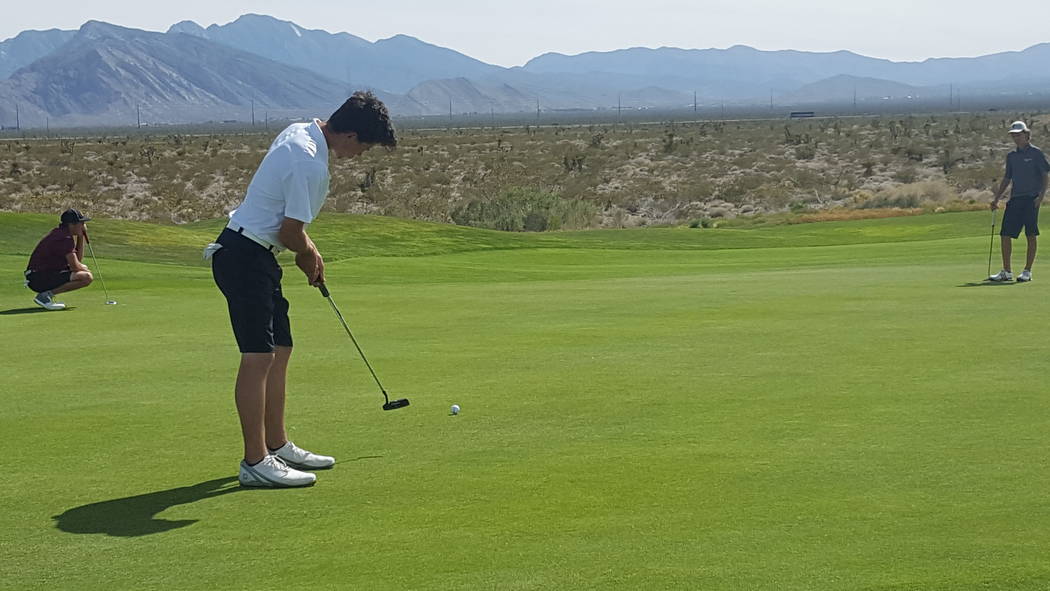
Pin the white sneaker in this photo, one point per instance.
(46, 301)
(272, 472)
(297, 457)
(1003, 275)
(1025, 275)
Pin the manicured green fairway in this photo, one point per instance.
(812, 407)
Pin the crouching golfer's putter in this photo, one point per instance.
(387, 403)
(98, 270)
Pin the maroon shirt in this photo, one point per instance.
(50, 254)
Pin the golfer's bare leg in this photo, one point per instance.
(77, 280)
(275, 389)
(1008, 247)
(1031, 253)
(276, 436)
(251, 403)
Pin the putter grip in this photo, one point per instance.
(324, 290)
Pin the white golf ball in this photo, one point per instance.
(455, 409)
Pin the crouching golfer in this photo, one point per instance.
(1026, 170)
(285, 195)
(56, 265)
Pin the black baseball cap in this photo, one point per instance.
(72, 216)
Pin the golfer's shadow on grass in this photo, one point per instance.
(987, 284)
(20, 311)
(136, 516)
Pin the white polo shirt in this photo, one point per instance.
(291, 182)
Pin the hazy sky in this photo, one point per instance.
(510, 33)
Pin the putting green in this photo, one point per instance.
(828, 406)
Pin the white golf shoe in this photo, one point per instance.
(272, 472)
(297, 457)
(1003, 275)
(47, 301)
(1025, 275)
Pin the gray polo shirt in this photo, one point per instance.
(1025, 169)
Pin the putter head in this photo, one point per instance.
(396, 404)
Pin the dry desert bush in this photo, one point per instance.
(543, 178)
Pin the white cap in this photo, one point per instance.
(1018, 127)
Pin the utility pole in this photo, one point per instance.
(537, 110)
(854, 99)
(138, 116)
(619, 107)
(770, 99)
(18, 123)
(694, 102)
(253, 112)
(450, 115)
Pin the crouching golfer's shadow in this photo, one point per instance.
(136, 516)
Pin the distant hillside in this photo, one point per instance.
(29, 46)
(103, 74)
(518, 92)
(465, 96)
(394, 65)
(107, 72)
(843, 89)
(742, 72)
(738, 72)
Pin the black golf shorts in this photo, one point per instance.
(41, 281)
(250, 278)
(1021, 212)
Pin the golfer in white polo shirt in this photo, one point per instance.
(285, 195)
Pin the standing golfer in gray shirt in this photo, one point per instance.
(1026, 170)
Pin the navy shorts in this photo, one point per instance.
(41, 281)
(1021, 212)
(250, 278)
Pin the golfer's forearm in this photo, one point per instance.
(1002, 189)
(298, 242)
(293, 236)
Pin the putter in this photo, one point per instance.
(98, 270)
(387, 403)
(991, 243)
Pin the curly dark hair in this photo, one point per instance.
(367, 116)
